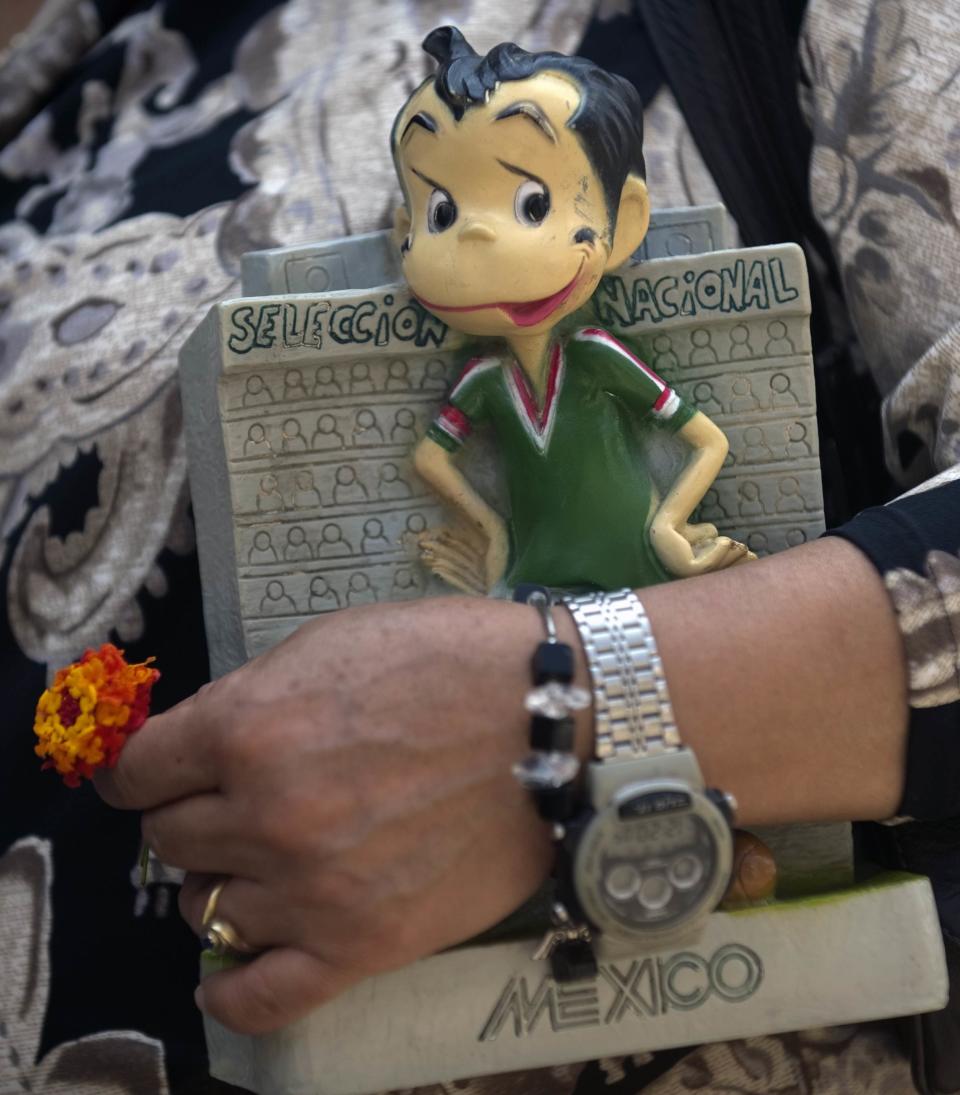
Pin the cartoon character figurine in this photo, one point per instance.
(523, 178)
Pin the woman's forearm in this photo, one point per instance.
(788, 681)
(389, 733)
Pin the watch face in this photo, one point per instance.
(655, 870)
(653, 861)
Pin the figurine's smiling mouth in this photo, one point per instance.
(524, 314)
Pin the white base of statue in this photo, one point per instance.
(869, 952)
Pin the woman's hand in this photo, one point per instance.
(354, 786)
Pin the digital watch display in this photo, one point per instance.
(653, 862)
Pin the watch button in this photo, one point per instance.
(622, 882)
(725, 802)
(686, 871)
(655, 892)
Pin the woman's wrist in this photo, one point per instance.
(509, 634)
(583, 719)
(786, 675)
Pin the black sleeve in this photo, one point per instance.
(914, 543)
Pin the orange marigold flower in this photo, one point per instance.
(85, 717)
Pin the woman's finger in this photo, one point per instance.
(273, 990)
(172, 755)
(252, 910)
(199, 833)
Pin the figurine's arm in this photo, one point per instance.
(686, 549)
(682, 548)
(476, 561)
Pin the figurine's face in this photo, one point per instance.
(508, 227)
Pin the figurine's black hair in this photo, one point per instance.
(608, 121)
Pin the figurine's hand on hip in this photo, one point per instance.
(354, 787)
(696, 534)
(695, 549)
(456, 555)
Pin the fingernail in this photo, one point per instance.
(199, 998)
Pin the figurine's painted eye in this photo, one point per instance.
(531, 203)
(441, 211)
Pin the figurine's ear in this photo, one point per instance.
(633, 219)
(401, 224)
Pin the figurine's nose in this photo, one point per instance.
(473, 229)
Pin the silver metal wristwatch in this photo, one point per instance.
(649, 857)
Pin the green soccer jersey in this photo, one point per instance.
(580, 491)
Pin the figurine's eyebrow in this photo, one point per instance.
(530, 110)
(521, 171)
(422, 118)
(428, 180)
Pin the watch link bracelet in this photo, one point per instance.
(647, 855)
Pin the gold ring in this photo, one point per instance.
(220, 937)
(210, 909)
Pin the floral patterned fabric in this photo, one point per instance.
(144, 146)
(885, 80)
(104, 1063)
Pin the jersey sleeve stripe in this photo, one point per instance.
(604, 338)
(454, 424)
(667, 405)
(474, 367)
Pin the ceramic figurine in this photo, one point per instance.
(523, 178)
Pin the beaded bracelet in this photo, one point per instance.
(550, 769)
(549, 772)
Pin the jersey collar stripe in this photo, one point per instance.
(539, 428)
(551, 386)
(538, 418)
(595, 334)
(527, 401)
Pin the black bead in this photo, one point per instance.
(551, 735)
(573, 961)
(552, 662)
(556, 803)
(522, 592)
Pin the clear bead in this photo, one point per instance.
(555, 700)
(544, 771)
